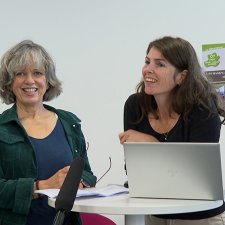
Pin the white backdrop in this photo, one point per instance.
(99, 49)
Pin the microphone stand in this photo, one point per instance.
(59, 218)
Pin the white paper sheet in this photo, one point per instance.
(108, 190)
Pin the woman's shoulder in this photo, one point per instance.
(8, 115)
(132, 99)
(67, 115)
(132, 106)
(201, 112)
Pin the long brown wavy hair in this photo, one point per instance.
(194, 90)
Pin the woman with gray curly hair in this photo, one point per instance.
(38, 142)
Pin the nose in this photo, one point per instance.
(149, 68)
(29, 78)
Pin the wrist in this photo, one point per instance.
(36, 187)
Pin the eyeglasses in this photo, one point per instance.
(110, 165)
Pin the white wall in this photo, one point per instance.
(99, 48)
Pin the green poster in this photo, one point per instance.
(213, 62)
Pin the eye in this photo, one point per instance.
(147, 62)
(38, 73)
(19, 73)
(160, 64)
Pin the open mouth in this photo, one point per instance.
(29, 90)
(150, 79)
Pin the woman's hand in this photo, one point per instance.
(81, 186)
(136, 136)
(56, 180)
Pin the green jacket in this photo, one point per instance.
(18, 168)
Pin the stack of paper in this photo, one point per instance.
(111, 189)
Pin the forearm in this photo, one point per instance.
(136, 136)
(16, 195)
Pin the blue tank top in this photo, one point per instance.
(52, 153)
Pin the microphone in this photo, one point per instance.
(67, 194)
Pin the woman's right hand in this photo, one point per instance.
(136, 136)
(55, 181)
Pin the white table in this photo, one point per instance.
(135, 209)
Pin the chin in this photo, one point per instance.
(147, 92)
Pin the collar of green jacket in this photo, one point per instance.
(11, 115)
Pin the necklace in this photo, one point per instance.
(165, 135)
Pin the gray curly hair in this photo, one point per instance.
(19, 57)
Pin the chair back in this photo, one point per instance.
(95, 219)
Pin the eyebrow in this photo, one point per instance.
(158, 59)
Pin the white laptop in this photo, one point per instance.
(174, 170)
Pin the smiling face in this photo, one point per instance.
(159, 75)
(29, 85)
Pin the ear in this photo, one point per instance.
(181, 77)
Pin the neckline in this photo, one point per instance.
(165, 133)
(51, 133)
